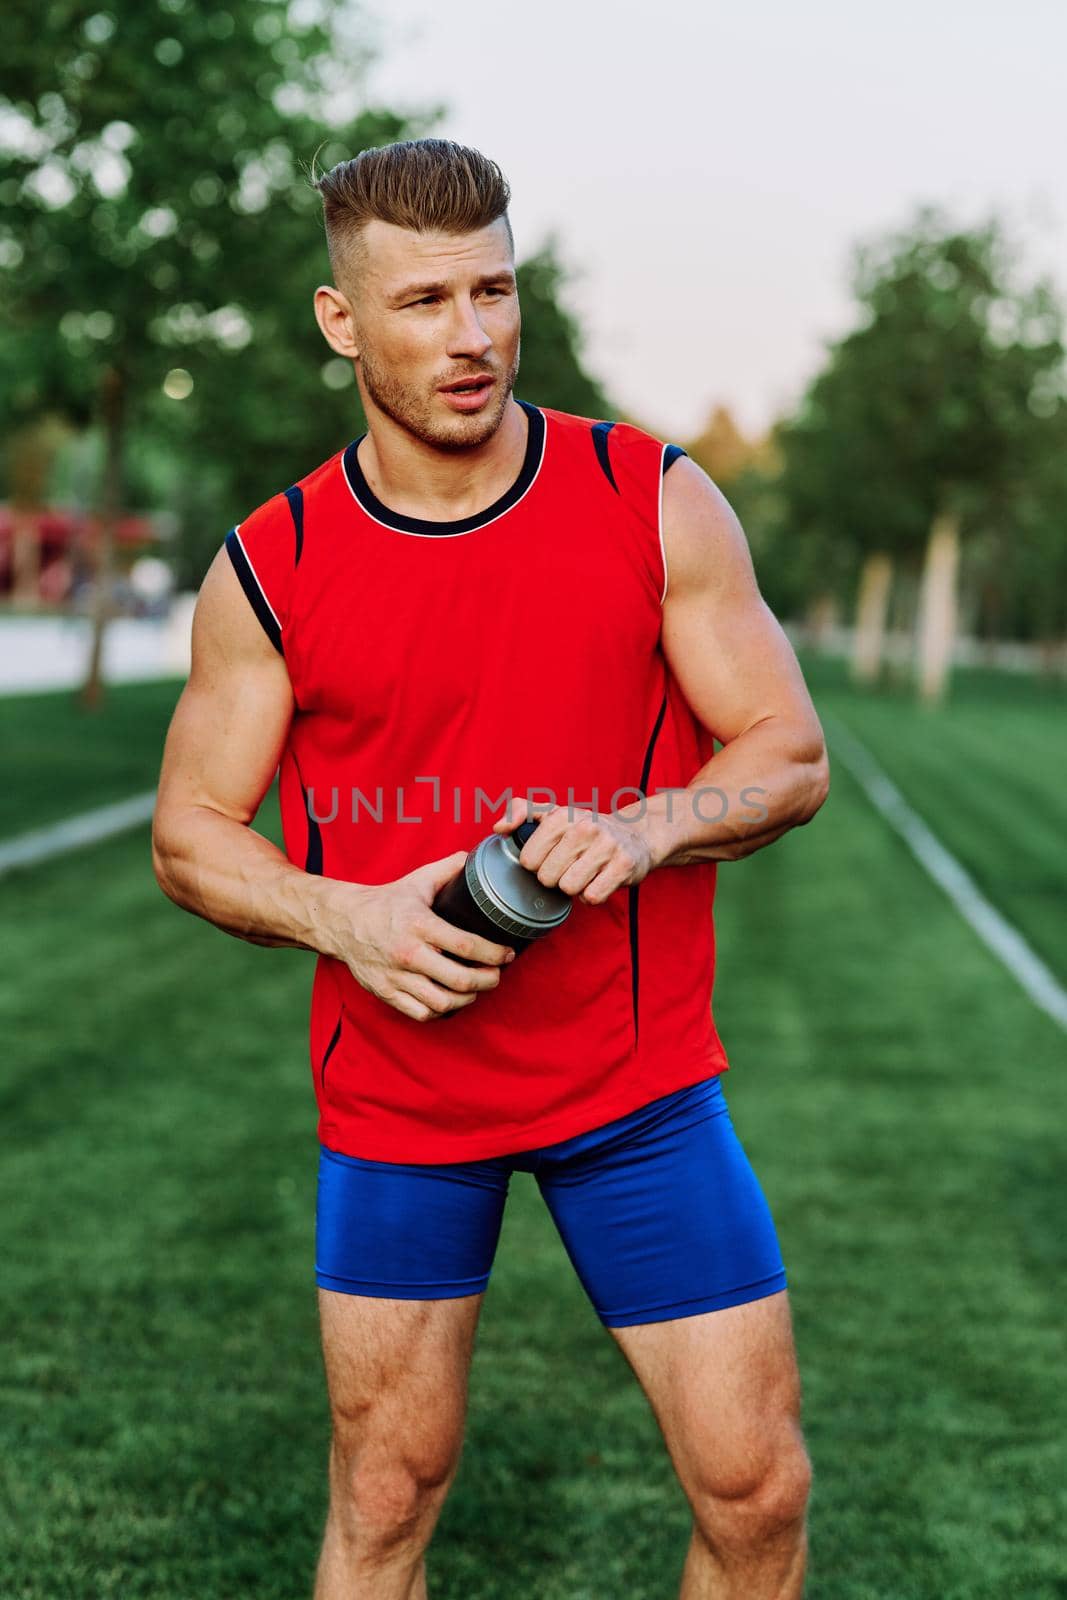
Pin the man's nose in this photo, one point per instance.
(466, 336)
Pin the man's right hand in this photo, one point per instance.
(398, 948)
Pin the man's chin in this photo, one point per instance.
(464, 430)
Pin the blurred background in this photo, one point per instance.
(823, 250)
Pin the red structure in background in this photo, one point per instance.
(47, 553)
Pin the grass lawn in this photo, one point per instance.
(987, 771)
(65, 760)
(163, 1419)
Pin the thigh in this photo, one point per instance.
(403, 1254)
(661, 1212)
(725, 1390)
(397, 1375)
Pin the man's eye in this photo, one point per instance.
(430, 299)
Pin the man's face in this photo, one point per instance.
(429, 309)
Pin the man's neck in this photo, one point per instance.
(442, 485)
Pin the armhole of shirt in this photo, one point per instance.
(265, 549)
(253, 588)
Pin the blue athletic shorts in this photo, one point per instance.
(660, 1212)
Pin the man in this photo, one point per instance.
(483, 602)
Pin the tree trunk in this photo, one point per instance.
(30, 452)
(112, 398)
(820, 620)
(937, 606)
(1051, 656)
(872, 607)
(25, 557)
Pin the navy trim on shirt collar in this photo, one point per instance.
(368, 500)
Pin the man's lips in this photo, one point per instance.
(480, 382)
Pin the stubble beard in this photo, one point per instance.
(418, 414)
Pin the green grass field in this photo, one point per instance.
(988, 773)
(64, 760)
(164, 1422)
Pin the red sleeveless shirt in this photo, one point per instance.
(436, 667)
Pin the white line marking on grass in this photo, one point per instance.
(1005, 941)
(27, 849)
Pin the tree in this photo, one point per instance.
(163, 241)
(551, 369)
(721, 448)
(928, 415)
(748, 471)
(153, 210)
(844, 509)
(1021, 562)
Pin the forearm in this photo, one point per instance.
(766, 781)
(221, 870)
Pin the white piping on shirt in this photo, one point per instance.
(662, 546)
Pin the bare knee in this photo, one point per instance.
(388, 1503)
(389, 1490)
(761, 1504)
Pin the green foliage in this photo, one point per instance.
(551, 371)
(792, 563)
(1015, 564)
(949, 390)
(152, 215)
(159, 216)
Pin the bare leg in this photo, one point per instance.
(725, 1390)
(704, 1573)
(397, 1373)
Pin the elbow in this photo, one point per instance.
(818, 783)
(163, 861)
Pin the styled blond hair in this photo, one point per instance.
(428, 185)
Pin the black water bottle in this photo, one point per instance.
(492, 895)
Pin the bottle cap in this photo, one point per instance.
(509, 894)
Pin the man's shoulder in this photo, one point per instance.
(324, 473)
(632, 458)
(623, 432)
(286, 505)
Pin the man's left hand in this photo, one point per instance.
(587, 854)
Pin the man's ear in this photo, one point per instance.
(335, 318)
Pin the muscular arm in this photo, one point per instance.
(222, 751)
(739, 674)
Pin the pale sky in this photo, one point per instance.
(708, 167)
